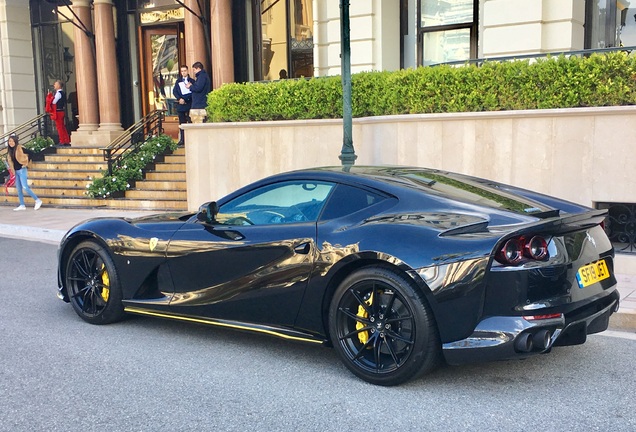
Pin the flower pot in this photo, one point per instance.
(40, 156)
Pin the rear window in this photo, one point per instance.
(471, 190)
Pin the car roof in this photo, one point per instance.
(403, 181)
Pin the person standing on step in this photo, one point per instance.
(200, 90)
(55, 106)
(183, 95)
(18, 159)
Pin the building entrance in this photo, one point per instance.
(162, 53)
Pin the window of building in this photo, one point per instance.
(446, 30)
(287, 34)
(609, 23)
(627, 24)
(619, 225)
(53, 47)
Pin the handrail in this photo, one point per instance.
(586, 52)
(131, 140)
(28, 130)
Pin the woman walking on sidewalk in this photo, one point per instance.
(18, 160)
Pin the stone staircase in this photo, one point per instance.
(61, 180)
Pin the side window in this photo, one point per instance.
(348, 199)
(286, 202)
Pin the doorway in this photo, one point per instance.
(162, 53)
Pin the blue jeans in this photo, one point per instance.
(21, 183)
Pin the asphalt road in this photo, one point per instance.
(58, 373)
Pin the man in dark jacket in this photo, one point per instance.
(183, 95)
(200, 90)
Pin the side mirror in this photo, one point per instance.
(207, 212)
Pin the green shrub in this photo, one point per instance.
(39, 143)
(553, 82)
(130, 168)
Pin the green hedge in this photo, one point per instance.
(553, 82)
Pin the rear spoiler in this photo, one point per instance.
(556, 224)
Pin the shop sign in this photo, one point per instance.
(152, 17)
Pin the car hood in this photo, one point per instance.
(160, 218)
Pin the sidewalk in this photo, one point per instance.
(50, 224)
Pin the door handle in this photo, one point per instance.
(302, 248)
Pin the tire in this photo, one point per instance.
(382, 327)
(92, 284)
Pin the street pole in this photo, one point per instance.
(347, 154)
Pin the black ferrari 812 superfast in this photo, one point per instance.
(397, 268)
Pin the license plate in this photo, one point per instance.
(592, 273)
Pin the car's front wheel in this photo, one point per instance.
(92, 284)
(382, 327)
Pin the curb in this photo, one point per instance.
(32, 233)
(623, 321)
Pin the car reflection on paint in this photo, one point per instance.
(398, 268)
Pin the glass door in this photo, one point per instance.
(161, 54)
(161, 64)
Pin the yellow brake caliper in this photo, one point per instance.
(106, 282)
(363, 336)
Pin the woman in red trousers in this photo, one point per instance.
(55, 106)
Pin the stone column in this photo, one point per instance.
(195, 44)
(85, 71)
(107, 73)
(222, 47)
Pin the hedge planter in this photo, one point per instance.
(40, 156)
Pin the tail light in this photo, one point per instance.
(515, 249)
(536, 248)
(511, 253)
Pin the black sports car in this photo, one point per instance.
(398, 268)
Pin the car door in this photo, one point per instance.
(253, 263)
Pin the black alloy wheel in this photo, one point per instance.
(92, 284)
(382, 327)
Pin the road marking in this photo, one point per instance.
(618, 334)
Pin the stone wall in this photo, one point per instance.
(17, 91)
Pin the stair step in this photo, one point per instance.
(36, 173)
(58, 183)
(165, 176)
(62, 158)
(163, 167)
(176, 205)
(79, 150)
(53, 191)
(171, 159)
(71, 166)
(152, 194)
(161, 185)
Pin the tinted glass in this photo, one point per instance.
(288, 202)
(446, 46)
(440, 12)
(348, 199)
(471, 190)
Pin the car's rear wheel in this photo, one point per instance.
(382, 327)
(93, 285)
